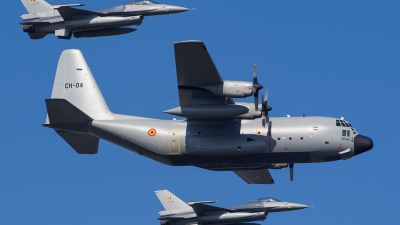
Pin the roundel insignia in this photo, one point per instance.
(152, 132)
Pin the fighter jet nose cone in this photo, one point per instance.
(176, 9)
(362, 144)
(295, 206)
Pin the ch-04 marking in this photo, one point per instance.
(72, 85)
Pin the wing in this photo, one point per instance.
(194, 68)
(200, 209)
(67, 13)
(255, 176)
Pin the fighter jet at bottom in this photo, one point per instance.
(178, 212)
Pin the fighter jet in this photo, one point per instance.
(217, 133)
(65, 20)
(178, 212)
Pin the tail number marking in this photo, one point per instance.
(72, 85)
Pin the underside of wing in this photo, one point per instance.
(195, 68)
(68, 13)
(255, 176)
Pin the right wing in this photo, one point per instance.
(255, 176)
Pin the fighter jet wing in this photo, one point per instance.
(200, 209)
(67, 13)
(194, 68)
(255, 176)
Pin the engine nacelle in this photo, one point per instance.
(235, 144)
(233, 89)
(252, 113)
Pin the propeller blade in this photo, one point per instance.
(255, 80)
(256, 100)
(291, 171)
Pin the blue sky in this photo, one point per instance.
(326, 58)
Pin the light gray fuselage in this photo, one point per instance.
(230, 144)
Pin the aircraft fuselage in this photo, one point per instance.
(233, 144)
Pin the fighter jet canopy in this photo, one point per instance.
(145, 2)
(268, 199)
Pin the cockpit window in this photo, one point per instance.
(342, 123)
(268, 200)
(148, 2)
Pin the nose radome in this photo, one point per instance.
(362, 144)
(176, 9)
(296, 206)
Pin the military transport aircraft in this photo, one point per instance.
(217, 134)
(65, 20)
(178, 212)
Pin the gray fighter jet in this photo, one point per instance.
(178, 212)
(65, 20)
(217, 134)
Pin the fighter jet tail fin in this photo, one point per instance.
(170, 201)
(37, 6)
(75, 83)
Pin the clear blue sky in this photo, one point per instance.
(326, 58)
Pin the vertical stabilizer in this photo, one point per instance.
(37, 6)
(170, 201)
(75, 83)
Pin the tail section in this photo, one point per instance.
(75, 101)
(69, 122)
(75, 83)
(37, 6)
(170, 201)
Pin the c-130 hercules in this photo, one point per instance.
(65, 20)
(218, 134)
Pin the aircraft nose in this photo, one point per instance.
(296, 206)
(362, 144)
(176, 9)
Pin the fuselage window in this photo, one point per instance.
(290, 138)
(348, 133)
(301, 138)
(279, 138)
(344, 133)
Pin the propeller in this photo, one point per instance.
(265, 108)
(291, 171)
(256, 87)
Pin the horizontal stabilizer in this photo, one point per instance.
(68, 13)
(81, 143)
(60, 111)
(200, 209)
(255, 176)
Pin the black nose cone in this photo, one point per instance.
(362, 144)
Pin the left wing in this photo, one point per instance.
(195, 68)
(67, 13)
(200, 209)
(255, 176)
